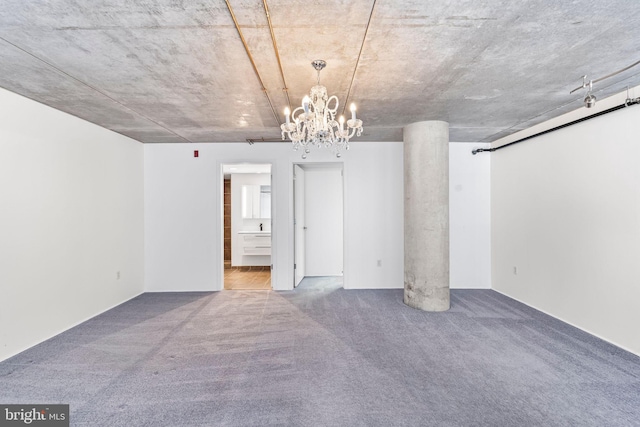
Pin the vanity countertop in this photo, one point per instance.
(264, 233)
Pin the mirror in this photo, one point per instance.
(256, 201)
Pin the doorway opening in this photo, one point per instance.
(247, 226)
(318, 224)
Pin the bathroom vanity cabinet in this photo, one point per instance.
(255, 242)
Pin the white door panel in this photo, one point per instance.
(299, 223)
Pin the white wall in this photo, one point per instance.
(566, 213)
(183, 212)
(238, 223)
(71, 217)
(470, 217)
(324, 221)
(374, 224)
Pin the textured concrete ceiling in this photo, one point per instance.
(177, 70)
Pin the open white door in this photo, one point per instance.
(298, 224)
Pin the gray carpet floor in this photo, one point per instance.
(323, 356)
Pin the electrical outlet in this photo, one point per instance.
(515, 271)
(117, 275)
(379, 263)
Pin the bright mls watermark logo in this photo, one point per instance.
(34, 415)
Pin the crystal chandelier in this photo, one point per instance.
(314, 122)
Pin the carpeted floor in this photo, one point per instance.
(323, 356)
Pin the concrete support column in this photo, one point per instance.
(426, 215)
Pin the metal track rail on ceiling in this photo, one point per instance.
(252, 141)
(253, 63)
(355, 69)
(285, 89)
(607, 76)
(628, 103)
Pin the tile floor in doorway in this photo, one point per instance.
(236, 278)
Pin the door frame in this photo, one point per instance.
(219, 200)
(342, 165)
(296, 261)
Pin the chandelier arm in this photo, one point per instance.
(295, 115)
(334, 110)
(348, 134)
(352, 133)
